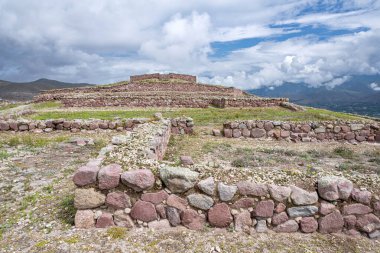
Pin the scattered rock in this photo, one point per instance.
(186, 160)
(138, 180)
(88, 198)
(178, 179)
(109, 176)
(200, 201)
(220, 215)
(144, 211)
(226, 192)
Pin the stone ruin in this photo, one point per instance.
(128, 186)
(158, 90)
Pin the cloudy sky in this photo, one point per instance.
(242, 43)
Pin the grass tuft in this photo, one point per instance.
(67, 209)
(344, 152)
(117, 232)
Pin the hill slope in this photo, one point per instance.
(353, 96)
(25, 91)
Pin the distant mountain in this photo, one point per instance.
(353, 96)
(25, 91)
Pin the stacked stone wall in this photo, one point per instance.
(160, 196)
(304, 132)
(187, 78)
(179, 125)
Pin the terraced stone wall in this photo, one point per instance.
(179, 125)
(304, 132)
(187, 78)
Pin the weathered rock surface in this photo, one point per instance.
(249, 188)
(118, 200)
(122, 219)
(109, 176)
(178, 179)
(159, 224)
(243, 221)
(279, 193)
(264, 209)
(200, 201)
(363, 197)
(226, 192)
(301, 197)
(331, 223)
(86, 175)
(186, 160)
(138, 180)
(356, 209)
(192, 220)
(105, 220)
(155, 197)
(88, 198)
(368, 223)
(173, 216)
(308, 225)
(302, 211)
(334, 188)
(177, 202)
(279, 218)
(287, 227)
(207, 186)
(220, 215)
(84, 219)
(143, 211)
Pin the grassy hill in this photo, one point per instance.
(26, 91)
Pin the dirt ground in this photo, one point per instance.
(36, 194)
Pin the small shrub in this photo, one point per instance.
(117, 232)
(4, 154)
(344, 152)
(67, 209)
(240, 162)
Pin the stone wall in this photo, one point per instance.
(305, 132)
(187, 78)
(179, 125)
(127, 186)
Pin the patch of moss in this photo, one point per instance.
(67, 210)
(117, 232)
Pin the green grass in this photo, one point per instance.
(67, 210)
(8, 106)
(344, 152)
(4, 155)
(206, 116)
(47, 105)
(32, 140)
(117, 232)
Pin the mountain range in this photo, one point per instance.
(353, 96)
(13, 91)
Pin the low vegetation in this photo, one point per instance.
(203, 116)
(47, 105)
(30, 140)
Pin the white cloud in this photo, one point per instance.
(103, 41)
(375, 86)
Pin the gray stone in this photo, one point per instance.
(200, 201)
(178, 179)
(226, 192)
(374, 234)
(250, 188)
(120, 139)
(279, 193)
(302, 211)
(261, 226)
(302, 197)
(356, 127)
(207, 186)
(173, 216)
(159, 224)
(287, 227)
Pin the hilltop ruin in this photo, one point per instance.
(158, 90)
